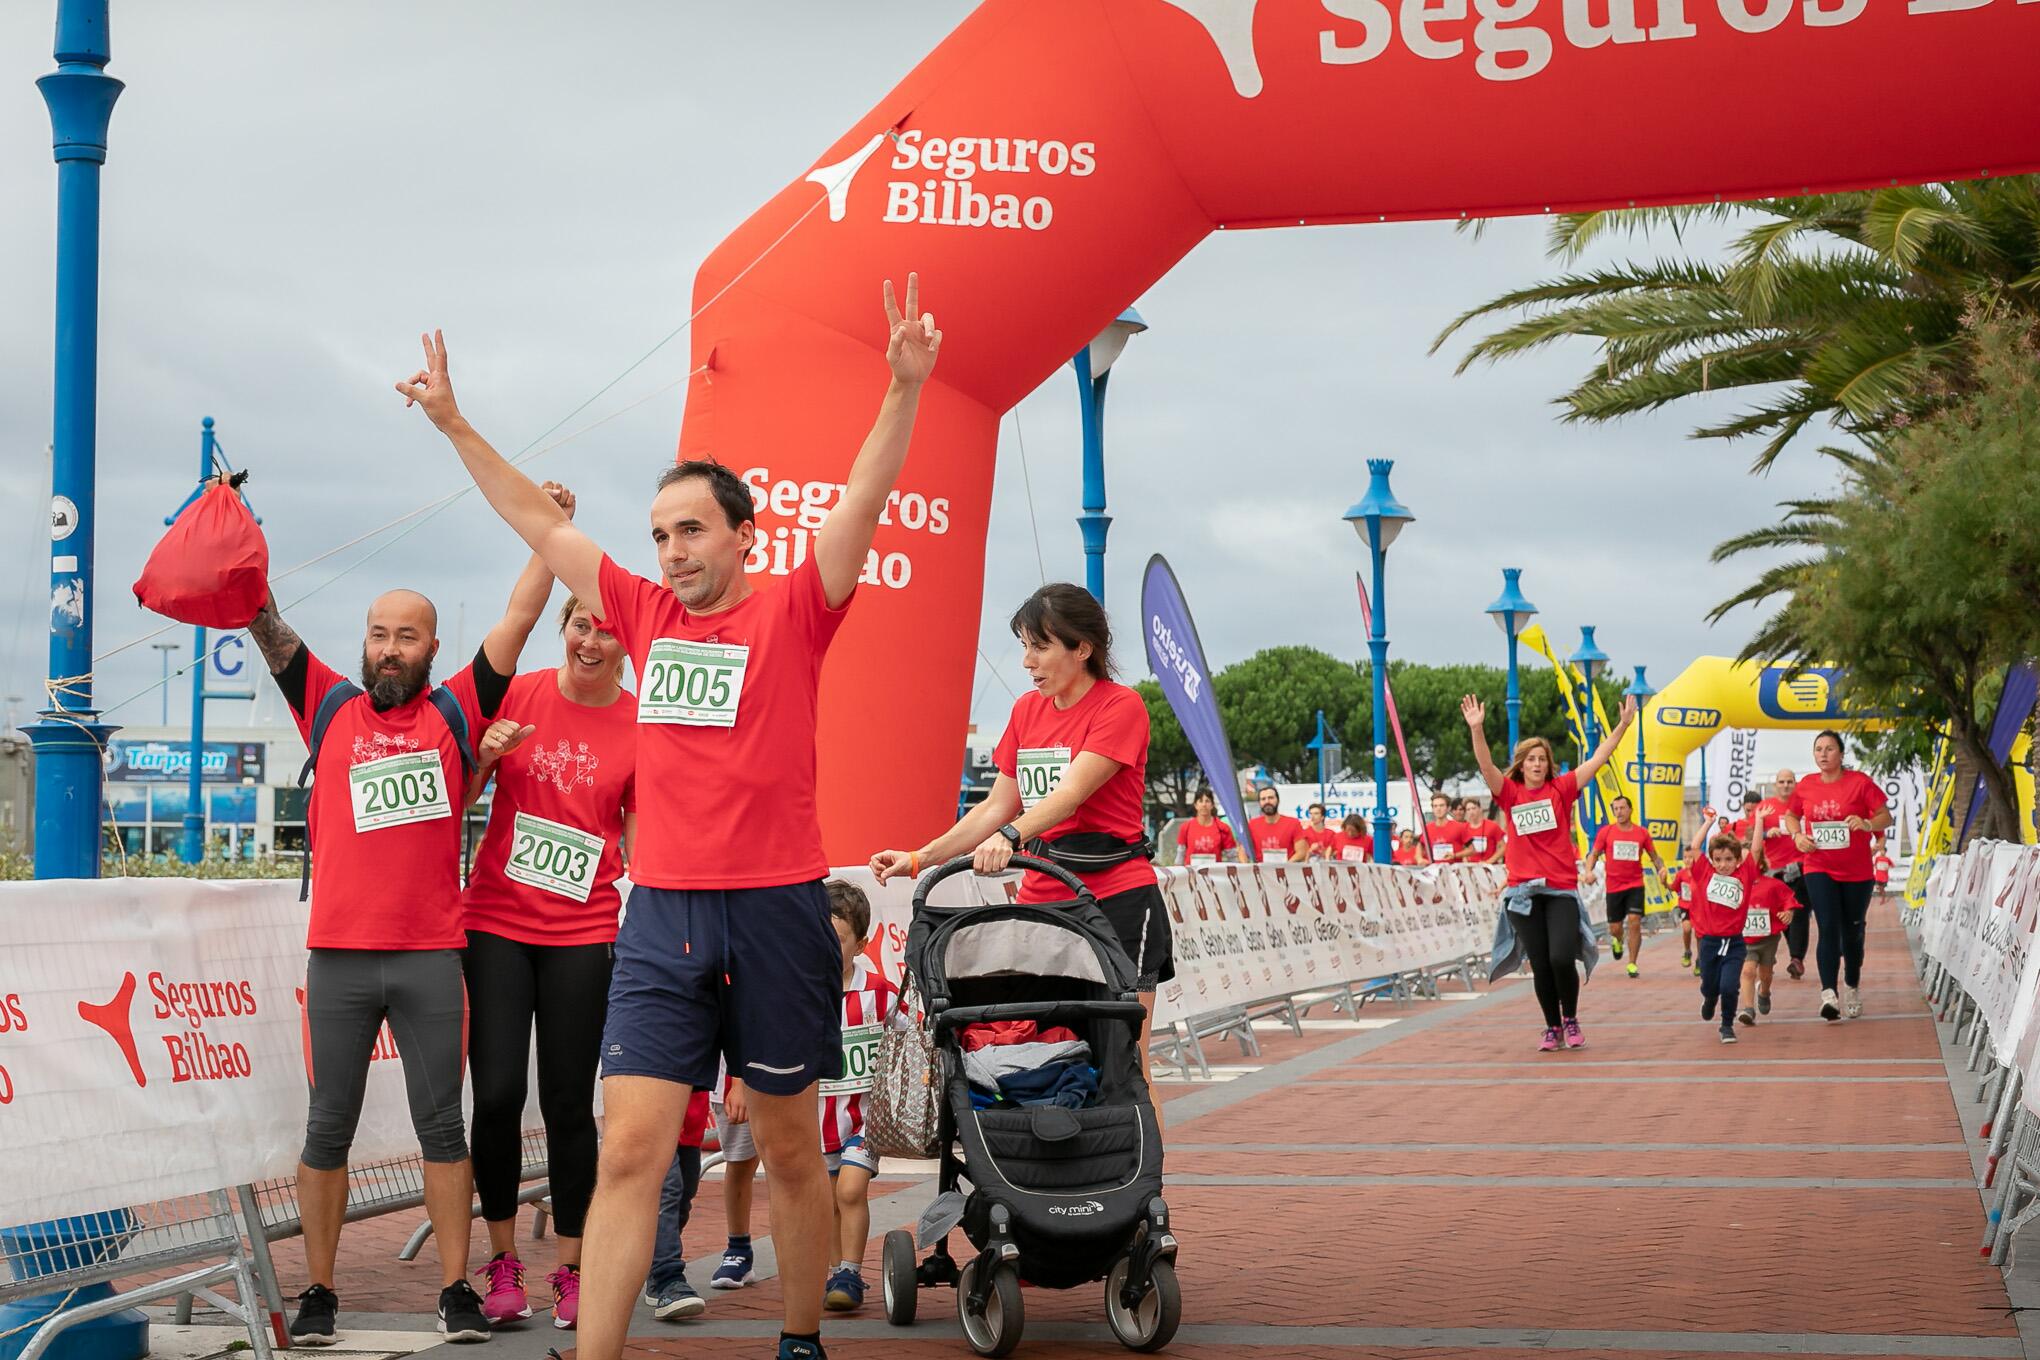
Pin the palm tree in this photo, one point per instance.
(1846, 306)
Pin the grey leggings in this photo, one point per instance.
(348, 995)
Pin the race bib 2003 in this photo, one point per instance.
(693, 684)
(1531, 818)
(1830, 835)
(398, 790)
(552, 856)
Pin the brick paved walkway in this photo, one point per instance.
(1433, 1187)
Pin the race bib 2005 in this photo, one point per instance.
(860, 1061)
(552, 856)
(1758, 922)
(398, 790)
(1724, 891)
(1531, 818)
(1038, 770)
(1629, 852)
(1830, 835)
(693, 684)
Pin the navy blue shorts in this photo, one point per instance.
(753, 975)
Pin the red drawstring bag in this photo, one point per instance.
(212, 567)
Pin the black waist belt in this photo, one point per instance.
(1088, 851)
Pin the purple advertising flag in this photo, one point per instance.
(1177, 658)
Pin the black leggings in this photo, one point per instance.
(1797, 934)
(1844, 913)
(349, 993)
(565, 988)
(1550, 933)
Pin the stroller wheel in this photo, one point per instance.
(996, 1330)
(1151, 1323)
(901, 1286)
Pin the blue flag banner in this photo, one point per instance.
(1177, 658)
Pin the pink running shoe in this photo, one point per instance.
(505, 1300)
(1549, 1043)
(1573, 1037)
(566, 1288)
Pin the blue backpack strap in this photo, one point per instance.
(322, 718)
(457, 723)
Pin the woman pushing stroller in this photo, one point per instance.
(1072, 770)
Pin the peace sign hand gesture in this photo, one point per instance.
(430, 386)
(914, 342)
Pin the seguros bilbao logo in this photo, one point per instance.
(1797, 695)
(990, 182)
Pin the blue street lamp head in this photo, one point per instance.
(1379, 516)
(1640, 688)
(1512, 613)
(1106, 348)
(1589, 658)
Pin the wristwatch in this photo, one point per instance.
(1011, 833)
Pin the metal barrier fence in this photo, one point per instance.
(52, 1262)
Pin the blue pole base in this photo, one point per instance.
(47, 1248)
(118, 1336)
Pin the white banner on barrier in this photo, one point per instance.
(153, 1038)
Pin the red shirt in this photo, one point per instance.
(1881, 868)
(1540, 838)
(1482, 839)
(1110, 720)
(1323, 841)
(1353, 849)
(1195, 838)
(1682, 885)
(1819, 804)
(1626, 847)
(1443, 840)
(395, 885)
(1721, 902)
(1408, 854)
(1767, 898)
(572, 779)
(1274, 839)
(1779, 851)
(728, 798)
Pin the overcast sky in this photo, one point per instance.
(293, 192)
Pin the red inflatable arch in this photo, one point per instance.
(1052, 158)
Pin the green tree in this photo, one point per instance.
(1270, 703)
(1922, 574)
(1173, 775)
(1842, 307)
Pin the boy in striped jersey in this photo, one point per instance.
(870, 1004)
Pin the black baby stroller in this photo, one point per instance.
(1057, 1196)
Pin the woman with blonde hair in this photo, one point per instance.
(1543, 917)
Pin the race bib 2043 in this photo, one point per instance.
(398, 790)
(1758, 922)
(1830, 835)
(693, 684)
(1531, 818)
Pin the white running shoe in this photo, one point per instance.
(1830, 1008)
(1852, 1002)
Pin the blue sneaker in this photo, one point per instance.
(675, 1301)
(844, 1292)
(735, 1270)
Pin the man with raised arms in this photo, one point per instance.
(726, 948)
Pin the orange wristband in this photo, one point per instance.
(913, 864)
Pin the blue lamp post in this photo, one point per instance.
(69, 774)
(1592, 661)
(1512, 614)
(1640, 690)
(1378, 518)
(1093, 364)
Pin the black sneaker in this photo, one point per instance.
(460, 1313)
(1727, 1034)
(1707, 1008)
(318, 1317)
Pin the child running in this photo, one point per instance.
(1771, 907)
(870, 1005)
(1722, 897)
(667, 1292)
(1681, 886)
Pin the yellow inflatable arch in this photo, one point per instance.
(1713, 694)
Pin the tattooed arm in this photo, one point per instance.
(283, 651)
